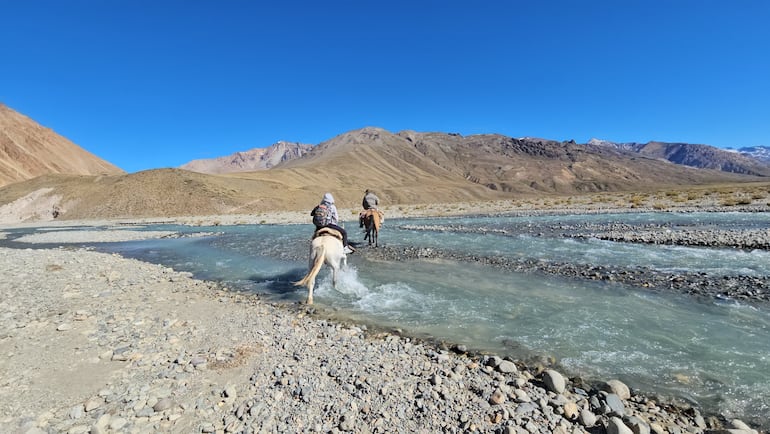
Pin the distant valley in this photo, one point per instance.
(406, 167)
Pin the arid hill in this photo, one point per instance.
(493, 162)
(28, 150)
(404, 168)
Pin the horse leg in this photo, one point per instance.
(317, 254)
(334, 276)
(369, 233)
(310, 286)
(311, 283)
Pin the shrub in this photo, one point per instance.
(693, 195)
(730, 201)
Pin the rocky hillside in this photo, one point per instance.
(694, 155)
(492, 162)
(28, 150)
(247, 161)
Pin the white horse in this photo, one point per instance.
(325, 248)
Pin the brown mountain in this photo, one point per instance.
(247, 161)
(403, 168)
(705, 157)
(28, 150)
(496, 164)
(700, 156)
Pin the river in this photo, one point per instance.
(712, 352)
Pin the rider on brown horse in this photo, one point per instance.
(370, 201)
(371, 217)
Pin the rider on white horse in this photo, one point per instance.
(325, 215)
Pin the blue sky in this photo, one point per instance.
(150, 84)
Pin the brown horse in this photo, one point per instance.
(372, 223)
(325, 248)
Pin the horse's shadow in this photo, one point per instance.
(281, 286)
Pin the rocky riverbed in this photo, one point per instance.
(97, 343)
(746, 288)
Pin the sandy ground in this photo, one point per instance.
(22, 213)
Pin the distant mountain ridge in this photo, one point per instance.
(753, 161)
(407, 167)
(700, 156)
(493, 161)
(760, 153)
(28, 150)
(253, 159)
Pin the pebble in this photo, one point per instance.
(554, 381)
(299, 372)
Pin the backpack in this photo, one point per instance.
(320, 215)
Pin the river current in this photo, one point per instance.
(712, 352)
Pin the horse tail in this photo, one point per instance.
(313, 272)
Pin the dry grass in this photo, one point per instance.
(172, 193)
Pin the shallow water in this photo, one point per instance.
(715, 353)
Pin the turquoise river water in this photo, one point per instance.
(715, 353)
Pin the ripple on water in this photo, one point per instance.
(713, 352)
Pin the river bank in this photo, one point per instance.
(98, 343)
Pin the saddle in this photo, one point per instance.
(327, 232)
(376, 215)
(371, 212)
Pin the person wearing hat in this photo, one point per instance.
(370, 201)
(328, 217)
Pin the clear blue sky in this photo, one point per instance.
(150, 84)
